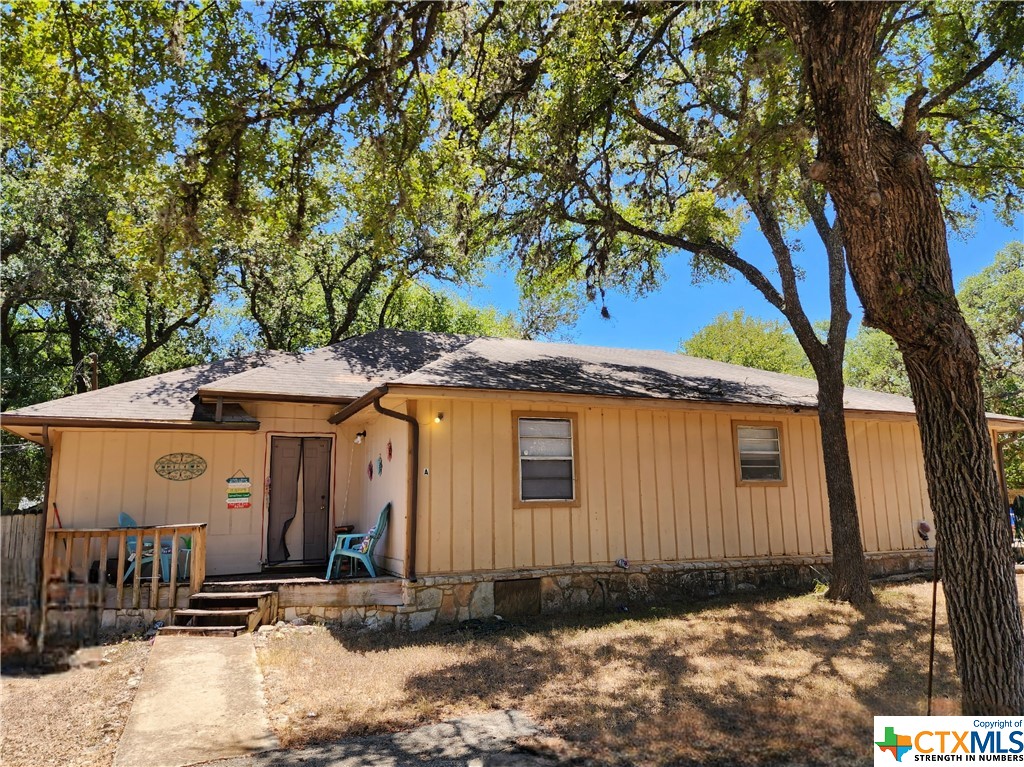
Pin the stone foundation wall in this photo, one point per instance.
(455, 598)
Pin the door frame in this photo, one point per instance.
(332, 483)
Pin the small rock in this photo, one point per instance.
(298, 621)
(280, 624)
(311, 715)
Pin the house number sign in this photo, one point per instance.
(180, 466)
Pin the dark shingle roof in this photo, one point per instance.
(347, 370)
(165, 397)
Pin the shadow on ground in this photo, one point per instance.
(758, 681)
(488, 740)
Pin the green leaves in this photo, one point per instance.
(751, 342)
(993, 303)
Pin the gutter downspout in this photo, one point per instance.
(373, 397)
(414, 470)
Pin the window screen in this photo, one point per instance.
(760, 453)
(545, 459)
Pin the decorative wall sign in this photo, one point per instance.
(369, 471)
(239, 493)
(389, 450)
(380, 466)
(180, 466)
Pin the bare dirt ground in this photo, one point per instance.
(755, 681)
(752, 681)
(71, 718)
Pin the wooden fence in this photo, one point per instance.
(20, 538)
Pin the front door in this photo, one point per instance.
(300, 483)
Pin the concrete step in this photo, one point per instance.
(203, 631)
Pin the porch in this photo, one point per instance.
(126, 578)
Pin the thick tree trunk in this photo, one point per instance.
(849, 569)
(899, 260)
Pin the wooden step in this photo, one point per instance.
(226, 609)
(203, 631)
(229, 611)
(224, 616)
(214, 595)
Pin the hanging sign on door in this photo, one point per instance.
(239, 493)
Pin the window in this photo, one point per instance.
(546, 459)
(759, 452)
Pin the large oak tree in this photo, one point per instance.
(908, 108)
(872, 159)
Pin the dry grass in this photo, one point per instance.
(792, 680)
(71, 718)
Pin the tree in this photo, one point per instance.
(871, 157)
(592, 159)
(569, 80)
(749, 341)
(161, 156)
(873, 362)
(993, 303)
(75, 285)
(897, 111)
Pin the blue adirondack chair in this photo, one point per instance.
(359, 546)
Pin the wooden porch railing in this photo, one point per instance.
(68, 556)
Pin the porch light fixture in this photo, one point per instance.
(360, 436)
(438, 418)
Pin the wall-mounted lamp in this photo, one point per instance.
(360, 436)
(438, 418)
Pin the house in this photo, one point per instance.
(522, 476)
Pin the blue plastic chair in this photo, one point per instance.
(359, 546)
(125, 520)
(184, 555)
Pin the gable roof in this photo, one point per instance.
(343, 372)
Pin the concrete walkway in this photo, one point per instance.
(201, 699)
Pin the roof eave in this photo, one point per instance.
(208, 396)
(124, 423)
(356, 405)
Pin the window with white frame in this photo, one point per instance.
(759, 453)
(546, 462)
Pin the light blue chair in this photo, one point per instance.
(184, 555)
(136, 558)
(184, 552)
(359, 546)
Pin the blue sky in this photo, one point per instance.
(663, 318)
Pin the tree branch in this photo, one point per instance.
(966, 79)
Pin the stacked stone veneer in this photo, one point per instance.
(454, 598)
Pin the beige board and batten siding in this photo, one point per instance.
(98, 473)
(363, 497)
(655, 484)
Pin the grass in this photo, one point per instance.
(71, 718)
(756, 681)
